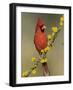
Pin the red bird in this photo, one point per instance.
(41, 41)
(40, 38)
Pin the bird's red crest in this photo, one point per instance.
(40, 23)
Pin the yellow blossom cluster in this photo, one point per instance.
(34, 71)
(33, 59)
(25, 74)
(54, 29)
(61, 20)
(45, 50)
(50, 36)
(43, 60)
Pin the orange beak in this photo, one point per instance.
(44, 27)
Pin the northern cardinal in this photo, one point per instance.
(41, 41)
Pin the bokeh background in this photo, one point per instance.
(55, 55)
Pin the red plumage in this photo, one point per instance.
(40, 38)
(41, 41)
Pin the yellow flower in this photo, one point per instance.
(34, 66)
(61, 23)
(42, 51)
(54, 29)
(49, 37)
(25, 74)
(33, 59)
(43, 60)
(53, 34)
(62, 18)
(33, 71)
(46, 49)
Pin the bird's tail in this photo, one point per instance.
(45, 66)
(45, 69)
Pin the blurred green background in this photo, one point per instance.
(55, 55)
